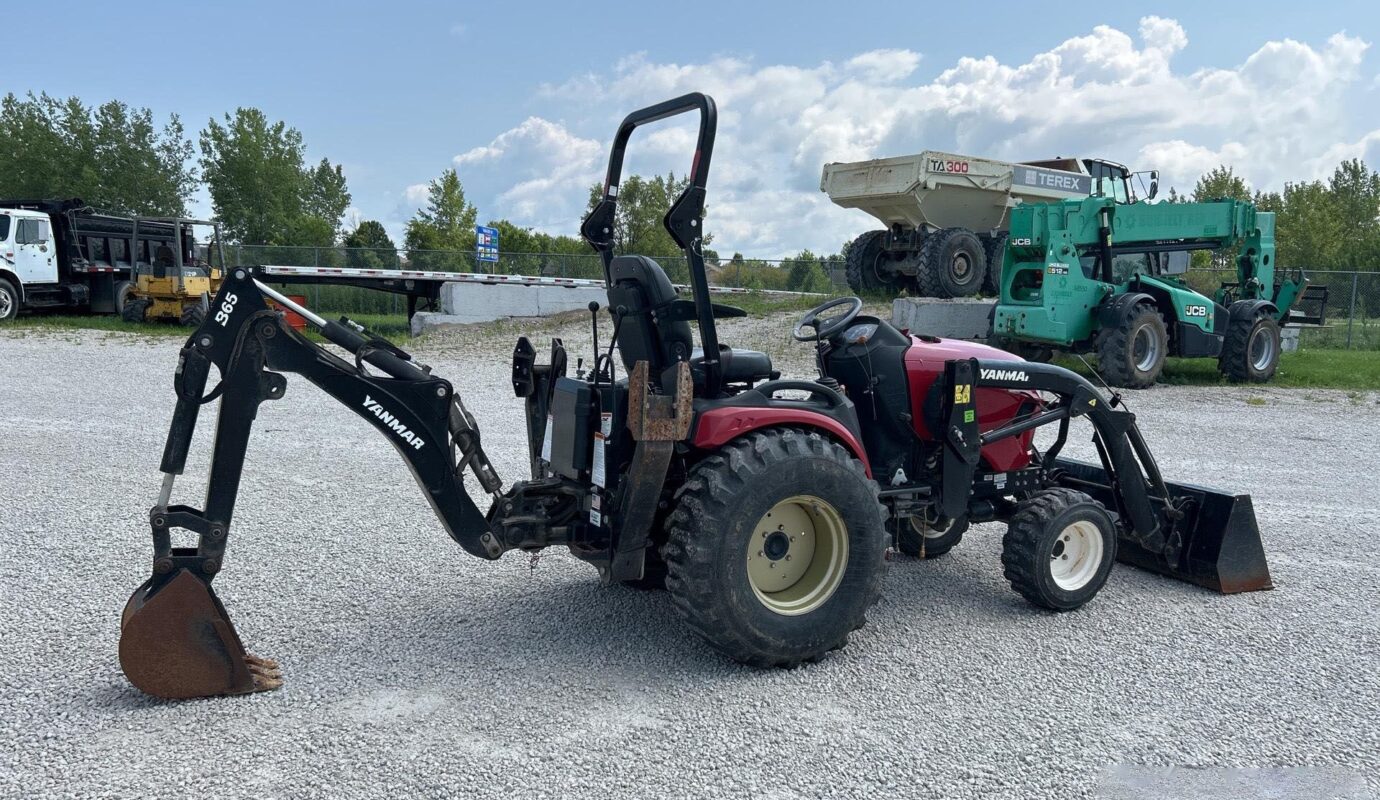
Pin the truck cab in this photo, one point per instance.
(28, 256)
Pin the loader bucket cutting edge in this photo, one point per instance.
(177, 642)
(1222, 548)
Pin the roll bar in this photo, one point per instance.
(682, 220)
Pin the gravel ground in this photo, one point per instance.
(414, 668)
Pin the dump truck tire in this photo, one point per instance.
(1131, 354)
(1059, 549)
(860, 268)
(9, 300)
(780, 503)
(918, 541)
(123, 290)
(1251, 348)
(953, 263)
(996, 251)
(136, 310)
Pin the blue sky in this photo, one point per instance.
(522, 97)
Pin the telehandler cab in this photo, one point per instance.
(761, 514)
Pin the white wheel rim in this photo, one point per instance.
(928, 531)
(1145, 349)
(1262, 349)
(1076, 556)
(6, 305)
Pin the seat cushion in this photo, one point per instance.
(739, 366)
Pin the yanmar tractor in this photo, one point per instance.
(767, 517)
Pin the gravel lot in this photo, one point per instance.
(414, 668)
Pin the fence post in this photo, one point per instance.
(1351, 315)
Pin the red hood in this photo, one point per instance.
(929, 348)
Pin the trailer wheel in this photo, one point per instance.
(9, 300)
(860, 267)
(996, 251)
(136, 310)
(953, 263)
(1251, 349)
(920, 539)
(776, 548)
(1059, 549)
(1132, 353)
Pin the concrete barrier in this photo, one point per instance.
(465, 303)
(959, 318)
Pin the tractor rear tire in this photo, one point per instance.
(953, 263)
(741, 516)
(9, 300)
(136, 310)
(920, 541)
(860, 267)
(193, 314)
(1251, 348)
(996, 252)
(1132, 353)
(1059, 549)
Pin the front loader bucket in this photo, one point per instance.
(176, 641)
(1221, 550)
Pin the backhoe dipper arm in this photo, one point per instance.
(419, 414)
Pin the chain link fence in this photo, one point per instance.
(1350, 308)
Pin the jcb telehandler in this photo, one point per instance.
(761, 514)
(1097, 276)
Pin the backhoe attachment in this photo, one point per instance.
(176, 639)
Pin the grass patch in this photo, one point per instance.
(1357, 370)
(1256, 401)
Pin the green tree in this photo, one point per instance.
(115, 157)
(260, 188)
(1355, 198)
(1221, 183)
(445, 224)
(638, 228)
(369, 246)
(805, 273)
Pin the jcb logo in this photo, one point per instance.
(1195, 311)
(227, 307)
(963, 393)
(1020, 242)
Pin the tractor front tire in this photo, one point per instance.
(920, 540)
(953, 263)
(136, 310)
(1059, 549)
(9, 300)
(996, 251)
(776, 548)
(1132, 353)
(1251, 348)
(861, 267)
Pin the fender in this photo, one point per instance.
(14, 281)
(1244, 309)
(718, 426)
(1115, 308)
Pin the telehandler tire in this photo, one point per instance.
(996, 251)
(136, 310)
(860, 267)
(776, 548)
(1059, 549)
(1251, 348)
(953, 263)
(919, 540)
(1132, 353)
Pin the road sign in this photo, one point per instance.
(486, 243)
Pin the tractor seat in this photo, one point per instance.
(640, 299)
(739, 366)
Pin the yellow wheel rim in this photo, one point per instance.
(797, 555)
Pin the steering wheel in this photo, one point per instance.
(831, 326)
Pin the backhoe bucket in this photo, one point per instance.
(176, 642)
(1221, 549)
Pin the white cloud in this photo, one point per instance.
(1282, 114)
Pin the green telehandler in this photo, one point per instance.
(1093, 275)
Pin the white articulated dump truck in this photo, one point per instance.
(946, 215)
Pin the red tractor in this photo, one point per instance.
(680, 463)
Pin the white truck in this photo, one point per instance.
(946, 214)
(61, 255)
